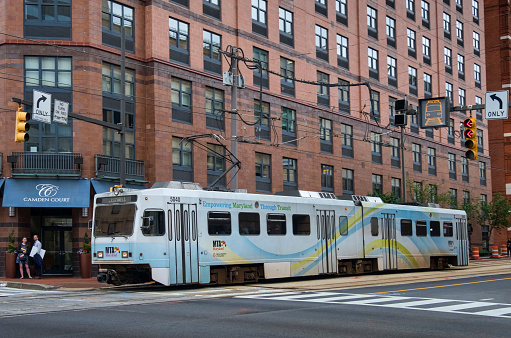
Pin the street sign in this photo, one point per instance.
(495, 105)
(41, 110)
(434, 112)
(60, 111)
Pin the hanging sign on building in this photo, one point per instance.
(41, 109)
(60, 111)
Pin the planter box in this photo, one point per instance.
(10, 265)
(85, 265)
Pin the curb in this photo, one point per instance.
(28, 286)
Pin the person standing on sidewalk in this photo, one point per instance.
(37, 258)
(22, 258)
(509, 247)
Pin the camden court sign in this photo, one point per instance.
(46, 193)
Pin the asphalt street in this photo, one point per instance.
(459, 307)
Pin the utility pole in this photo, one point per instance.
(122, 155)
(234, 117)
(403, 171)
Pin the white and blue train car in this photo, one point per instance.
(186, 236)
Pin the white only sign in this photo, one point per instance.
(496, 105)
(41, 110)
(60, 111)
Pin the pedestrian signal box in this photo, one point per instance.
(470, 134)
(22, 126)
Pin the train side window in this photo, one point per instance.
(219, 223)
(421, 228)
(343, 225)
(301, 225)
(276, 224)
(434, 228)
(170, 225)
(194, 226)
(448, 229)
(249, 223)
(153, 223)
(317, 224)
(178, 226)
(374, 226)
(186, 225)
(406, 227)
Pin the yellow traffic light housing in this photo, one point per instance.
(470, 138)
(20, 134)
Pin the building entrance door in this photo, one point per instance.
(58, 243)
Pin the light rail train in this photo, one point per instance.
(177, 233)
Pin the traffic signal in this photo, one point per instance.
(22, 126)
(470, 138)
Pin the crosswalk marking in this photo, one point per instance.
(9, 292)
(479, 308)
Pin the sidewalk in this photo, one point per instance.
(54, 283)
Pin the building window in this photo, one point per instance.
(395, 154)
(212, 44)
(111, 140)
(461, 67)
(417, 189)
(216, 163)
(181, 94)
(459, 6)
(321, 43)
(417, 160)
(372, 22)
(263, 172)
(342, 52)
(375, 105)
(327, 178)
(259, 17)
(287, 76)
(182, 160)
(396, 187)
(484, 198)
(454, 198)
(447, 25)
(290, 172)
(448, 91)
(426, 50)
(325, 135)
(414, 126)
(179, 41)
(372, 55)
(480, 146)
(344, 96)
(288, 126)
(321, 7)
(412, 80)
(479, 112)
(392, 71)
(452, 166)
(461, 97)
(450, 132)
(377, 184)
(347, 140)
(261, 74)
(475, 11)
(348, 181)
(341, 10)
(448, 60)
(323, 89)
(411, 42)
(482, 173)
(215, 108)
(425, 13)
(49, 19)
(464, 169)
(477, 75)
(391, 31)
(459, 32)
(432, 161)
(376, 148)
(115, 16)
(428, 88)
(392, 109)
(212, 8)
(466, 197)
(476, 42)
(286, 27)
(262, 120)
(181, 2)
(53, 75)
(410, 9)
(111, 78)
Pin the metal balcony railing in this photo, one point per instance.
(45, 164)
(107, 167)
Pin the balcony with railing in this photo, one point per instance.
(108, 168)
(27, 164)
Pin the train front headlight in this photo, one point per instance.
(100, 254)
(125, 254)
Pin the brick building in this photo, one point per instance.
(498, 47)
(291, 134)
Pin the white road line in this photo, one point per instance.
(464, 306)
(420, 302)
(495, 312)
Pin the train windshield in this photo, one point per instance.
(114, 220)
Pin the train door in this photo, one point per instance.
(184, 217)
(325, 220)
(462, 240)
(389, 242)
